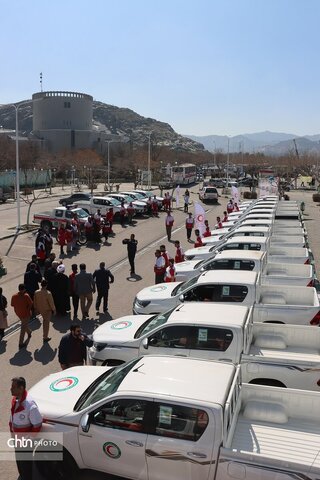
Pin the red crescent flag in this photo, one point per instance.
(199, 217)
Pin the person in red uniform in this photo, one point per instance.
(169, 220)
(219, 223)
(106, 229)
(122, 214)
(62, 238)
(109, 218)
(154, 207)
(165, 254)
(25, 417)
(230, 206)
(179, 252)
(198, 242)
(207, 233)
(189, 225)
(159, 267)
(225, 217)
(170, 275)
(236, 208)
(69, 236)
(89, 228)
(130, 213)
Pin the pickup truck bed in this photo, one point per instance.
(276, 427)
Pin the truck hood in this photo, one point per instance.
(119, 331)
(198, 251)
(57, 394)
(186, 266)
(161, 291)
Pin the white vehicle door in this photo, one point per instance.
(180, 447)
(169, 340)
(116, 442)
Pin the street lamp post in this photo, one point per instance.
(108, 170)
(228, 158)
(149, 161)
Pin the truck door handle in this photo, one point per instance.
(197, 455)
(133, 443)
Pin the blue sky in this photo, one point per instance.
(205, 67)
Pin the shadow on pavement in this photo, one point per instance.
(22, 357)
(45, 354)
(134, 278)
(3, 346)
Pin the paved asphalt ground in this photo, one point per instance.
(38, 360)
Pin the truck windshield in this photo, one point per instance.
(81, 213)
(184, 286)
(152, 323)
(105, 385)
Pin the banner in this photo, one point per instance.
(199, 217)
(235, 194)
(178, 196)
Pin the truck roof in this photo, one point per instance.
(236, 277)
(246, 239)
(240, 254)
(209, 313)
(197, 380)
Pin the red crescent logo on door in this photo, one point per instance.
(200, 218)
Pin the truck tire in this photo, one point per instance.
(57, 470)
(63, 203)
(270, 382)
(46, 224)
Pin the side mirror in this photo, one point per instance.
(85, 423)
(181, 298)
(145, 343)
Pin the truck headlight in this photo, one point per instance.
(142, 303)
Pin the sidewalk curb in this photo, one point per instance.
(22, 232)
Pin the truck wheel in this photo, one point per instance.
(63, 203)
(82, 239)
(270, 382)
(46, 225)
(55, 469)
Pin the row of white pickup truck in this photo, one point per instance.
(214, 378)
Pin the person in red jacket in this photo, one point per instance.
(189, 225)
(154, 207)
(106, 229)
(130, 213)
(109, 218)
(236, 208)
(165, 254)
(122, 213)
(219, 223)
(170, 275)
(207, 233)
(198, 242)
(230, 206)
(25, 417)
(225, 216)
(69, 236)
(62, 238)
(179, 252)
(159, 267)
(169, 220)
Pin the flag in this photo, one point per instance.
(199, 217)
(178, 196)
(235, 194)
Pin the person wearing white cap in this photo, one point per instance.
(60, 290)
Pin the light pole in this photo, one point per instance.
(108, 171)
(149, 160)
(228, 157)
(214, 153)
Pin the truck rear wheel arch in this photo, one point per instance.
(271, 382)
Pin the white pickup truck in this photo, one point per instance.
(157, 418)
(100, 203)
(272, 303)
(59, 215)
(277, 355)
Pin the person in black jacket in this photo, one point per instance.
(132, 244)
(101, 276)
(73, 348)
(32, 278)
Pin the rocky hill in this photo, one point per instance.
(119, 121)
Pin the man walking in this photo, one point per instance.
(24, 417)
(84, 287)
(169, 224)
(74, 296)
(44, 304)
(22, 305)
(73, 348)
(132, 245)
(102, 276)
(32, 278)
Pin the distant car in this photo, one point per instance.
(76, 197)
(216, 182)
(209, 194)
(245, 182)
